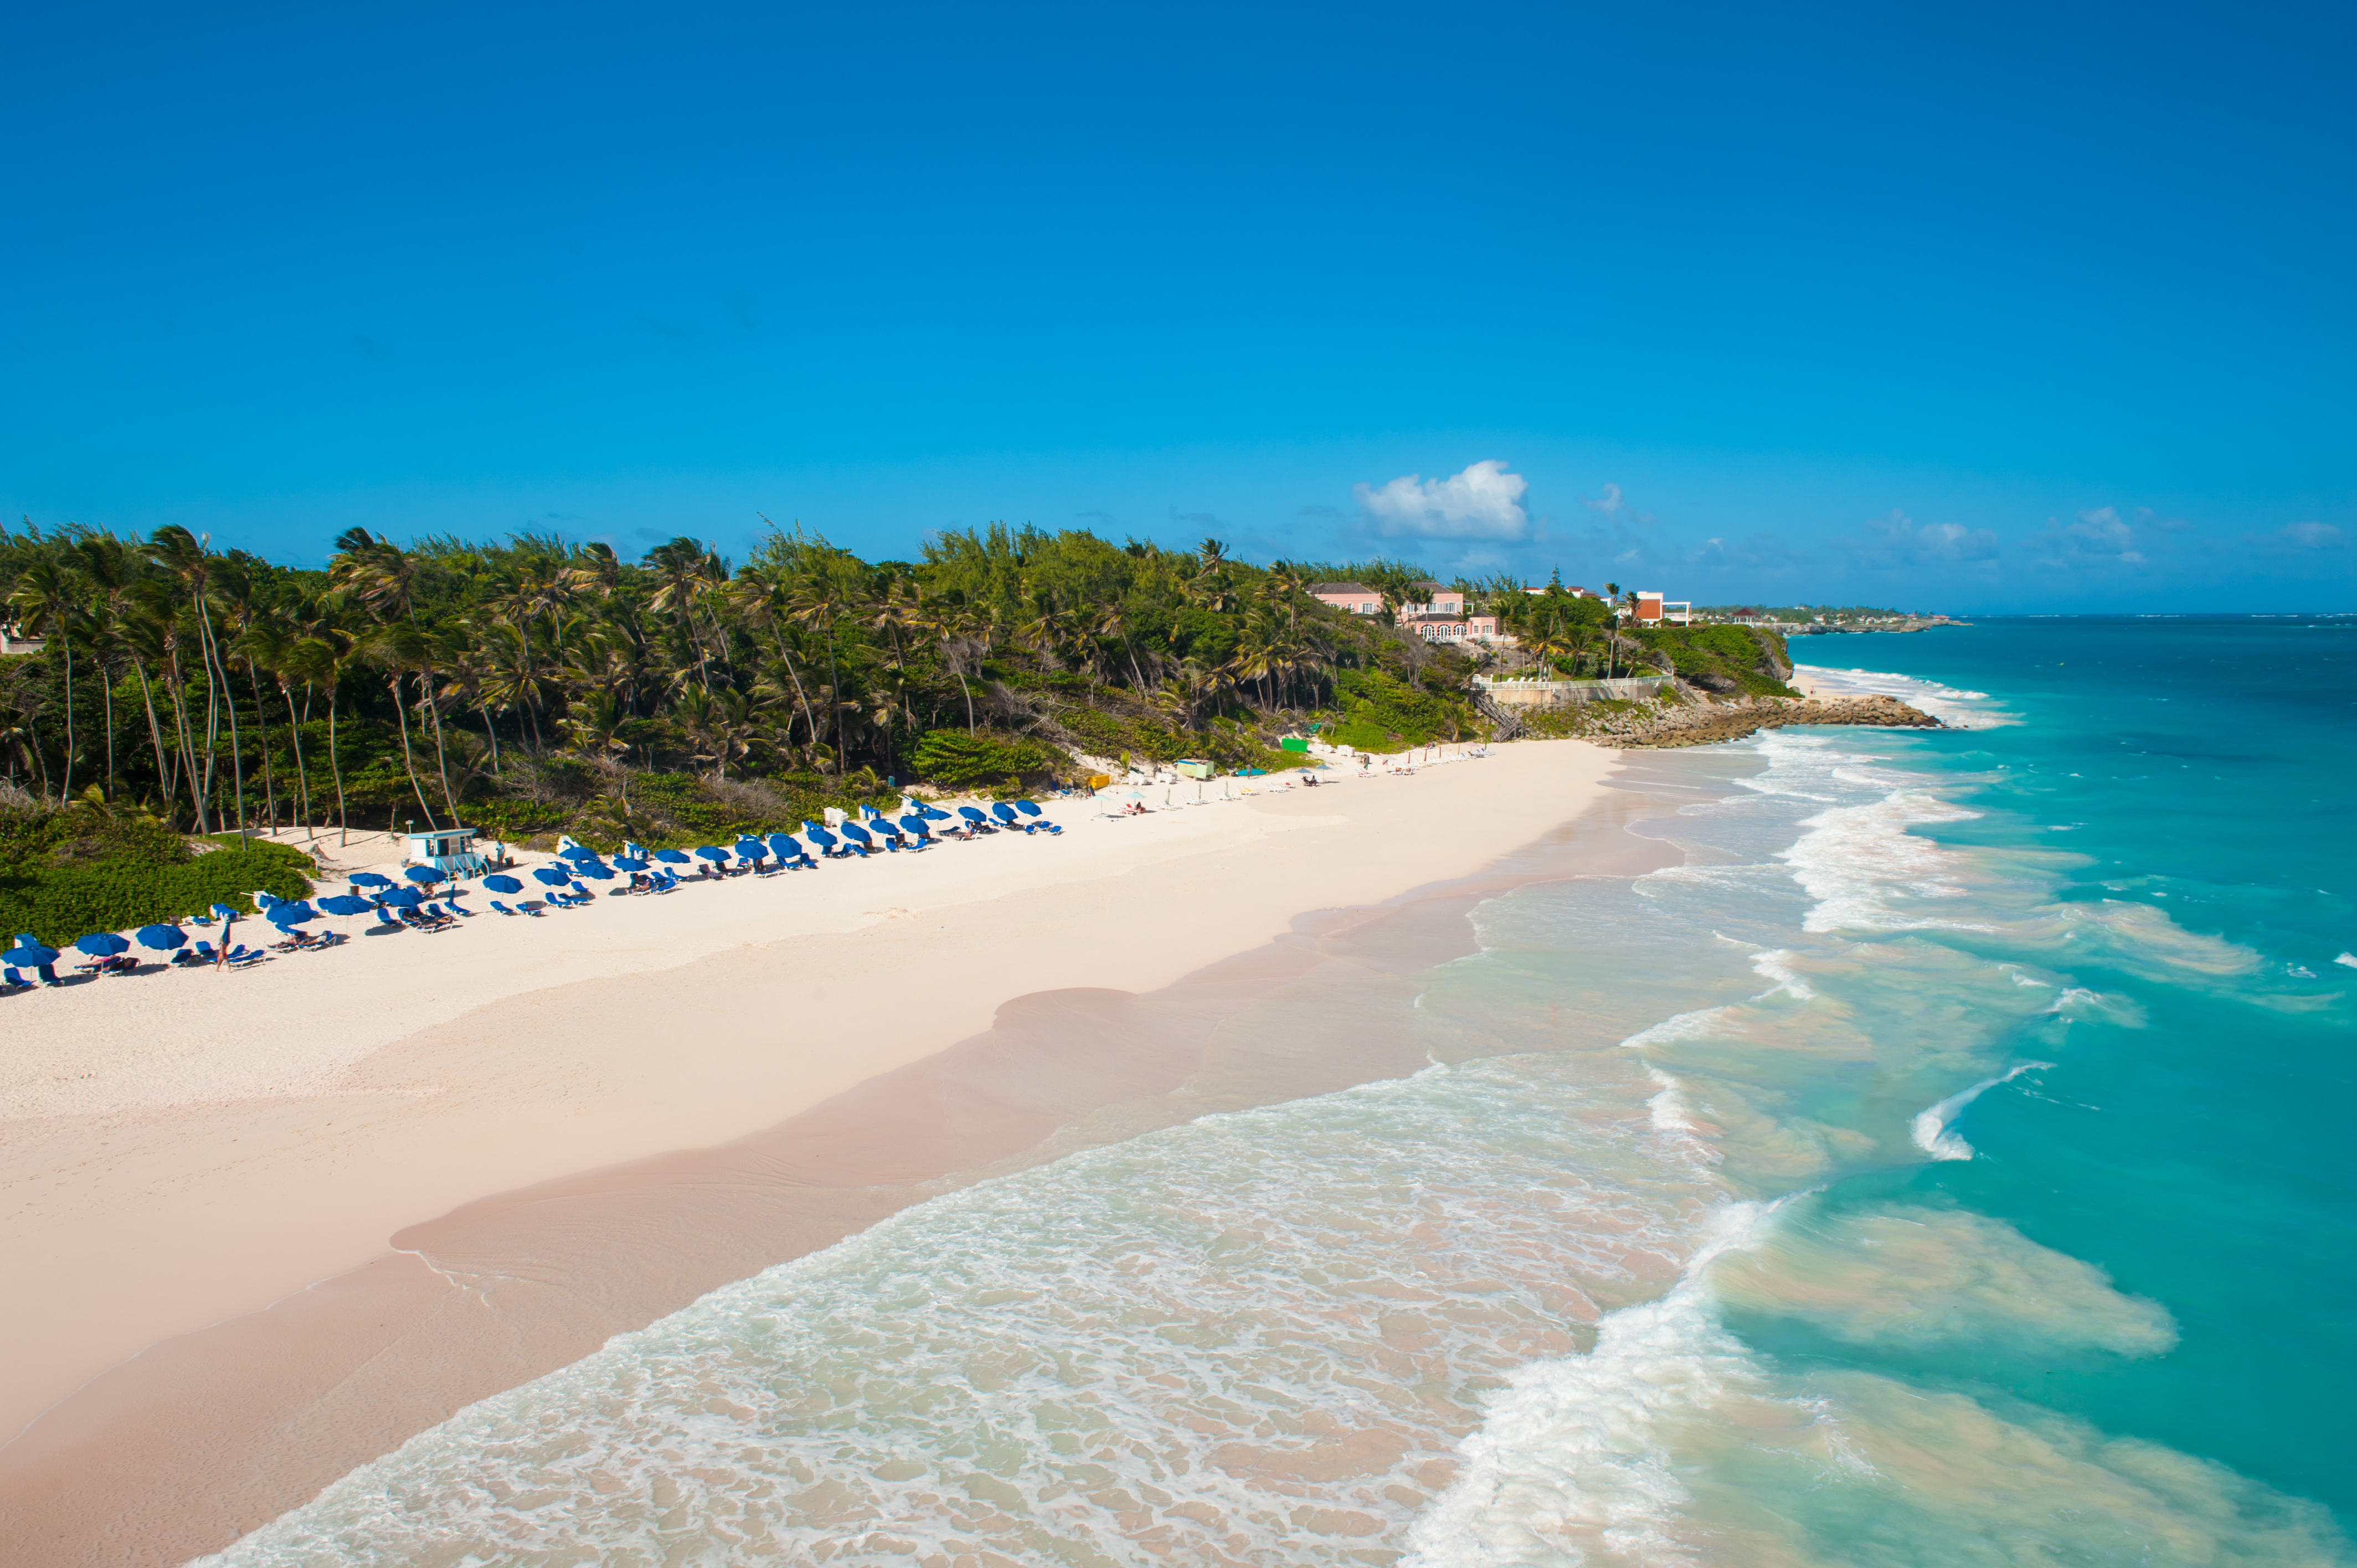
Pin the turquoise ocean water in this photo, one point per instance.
(1947, 1163)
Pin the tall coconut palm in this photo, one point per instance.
(765, 600)
(401, 650)
(189, 561)
(48, 603)
(386, 577)
(320, 659)
(819, 600)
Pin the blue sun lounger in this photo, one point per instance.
(1031, 809)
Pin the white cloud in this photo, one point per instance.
(1485, 501)
(2100, 537)
(1899, 541)
(2102, 532)
(2310, 535)
(1608, 503)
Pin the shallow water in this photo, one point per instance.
(1897, 1180)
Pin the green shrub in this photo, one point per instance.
(1557, 721)
(58, 903)
(956, 760)
(1362, 734)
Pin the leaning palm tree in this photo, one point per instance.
(765, 600)
(48, 603)
(400, 650)
(818, 600)
(385, 578)
(320, 659)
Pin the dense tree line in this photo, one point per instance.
(220, 692)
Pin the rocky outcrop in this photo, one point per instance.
(1700, 724)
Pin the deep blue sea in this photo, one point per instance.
(1948, 1163)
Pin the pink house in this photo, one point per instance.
(1453, 628)
(1357, 598)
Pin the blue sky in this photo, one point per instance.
(1980, 308)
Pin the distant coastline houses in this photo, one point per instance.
(1652, 609)
(1437, 615)
(1353, 599)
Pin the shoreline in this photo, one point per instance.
(1207, 902)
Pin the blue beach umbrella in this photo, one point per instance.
(549, 875)
(425, 873)
(28, 954)
(972, 815)
(163, 939)
(672, 856)
(933, 813)
(101, 944)
(711, 851)
(857, 834)
(264, 900)
(1029, 808)
(345, 904)
(369, 879)
(502, 884)
(403, 899)
(622, 862)
(915, 825)
(817, 836)
(284, 913)
(594, 872)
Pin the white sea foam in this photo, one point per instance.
(1777, 965)
(1668, 1108)
(2348, 958)
(1693, 1025)
(1570, 1458)
(1861, 864)
(1259, 1330)
(1952, 705)
(1935, 1130)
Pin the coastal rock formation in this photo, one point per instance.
(1702, 724)
(1692, 720)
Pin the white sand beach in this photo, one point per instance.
(183, 1149)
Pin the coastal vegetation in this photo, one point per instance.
(534, 686)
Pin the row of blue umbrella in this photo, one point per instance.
(288, 914)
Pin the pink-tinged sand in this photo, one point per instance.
(208, 1177)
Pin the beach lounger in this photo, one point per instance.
(1038, 819)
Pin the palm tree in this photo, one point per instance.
(384, 577)
(950, 627)
(399, 650)
(817, 601)
(320, 657)
(190, 559)
(108, 566)
(270, 645)
(48, 604)
(765, 600)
